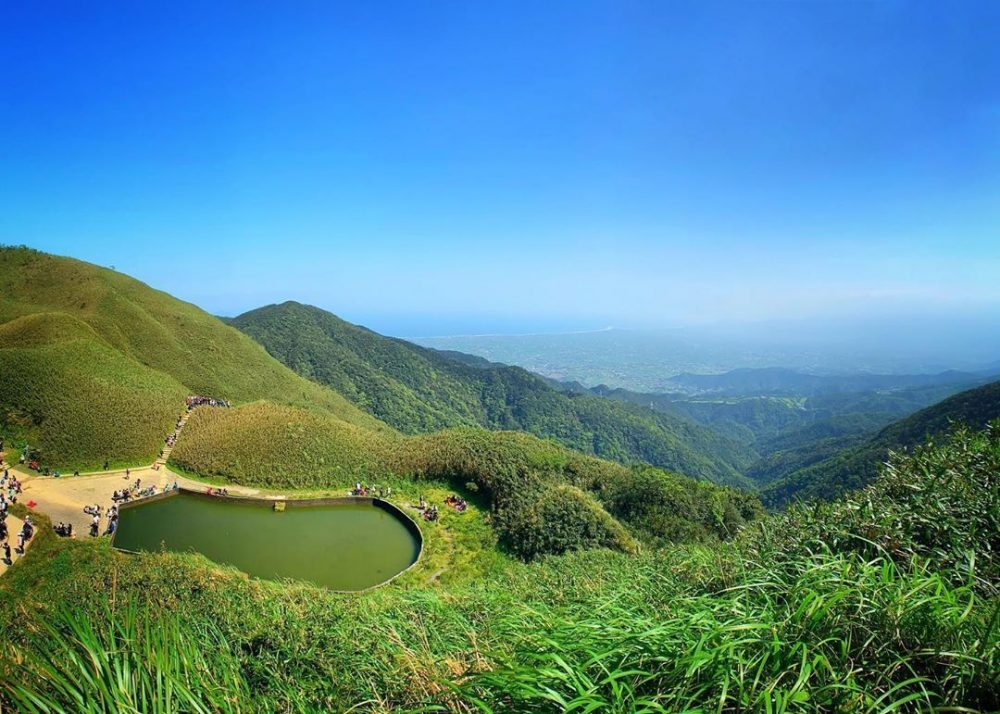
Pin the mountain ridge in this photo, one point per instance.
(858, 465)
(418, 389)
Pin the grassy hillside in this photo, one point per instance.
(883, 602)
(544, 498)
(418, 390)
(96, 365)
(854, 467)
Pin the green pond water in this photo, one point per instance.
(343, 547)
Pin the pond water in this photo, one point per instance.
(343, 547)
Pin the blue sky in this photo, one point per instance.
(429, 168)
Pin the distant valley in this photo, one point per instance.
(779, 431)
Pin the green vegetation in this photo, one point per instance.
(81, 402)
(418, 390)
(544, 498)
(885, 601)
(571, 582)
(274, 445)
(852, 468)
(96, 365)
(790, 441)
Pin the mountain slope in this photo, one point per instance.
(857, 466)
(417, 390)
(793, 432)
(96, 365)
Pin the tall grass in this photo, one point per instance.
(81, 402)
(816, 610)
(125, 662)
(830, 634)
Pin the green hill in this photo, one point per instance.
(530, 483)
(96, 365)
(882, 602)
(635, 606)
(851, 468)
(418, 390)
(785, 434)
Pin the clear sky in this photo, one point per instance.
(436, 167)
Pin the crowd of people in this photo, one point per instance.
(137, 491)
(23, 537)
(372, 491)
(10, 489)
(64, 530)
(431, 513)
(196, 400)
(428, 512)
(124, 495)
(95, 521)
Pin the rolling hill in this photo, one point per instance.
(791, 432)
(96, 366)
(656, 610)
(854, 467)
(417, 390)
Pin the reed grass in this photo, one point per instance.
(842, 608)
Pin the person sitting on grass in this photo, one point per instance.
(63, 530)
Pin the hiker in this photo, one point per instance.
(6, 553)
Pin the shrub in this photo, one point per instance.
(561, 519)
